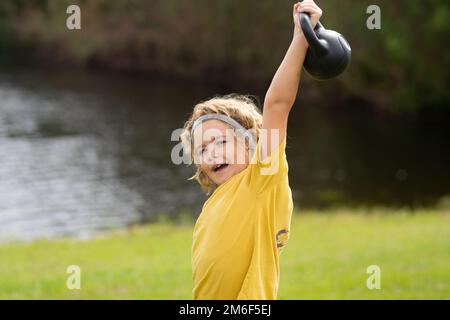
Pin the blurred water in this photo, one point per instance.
(84, 152)
(77, 156)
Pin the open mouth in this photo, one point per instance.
(219, 167)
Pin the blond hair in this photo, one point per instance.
(242, 108)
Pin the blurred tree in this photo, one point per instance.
(403, 67)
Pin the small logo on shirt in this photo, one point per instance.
(282, 238)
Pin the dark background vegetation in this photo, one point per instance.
(402, 68)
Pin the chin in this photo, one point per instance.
(224, 178)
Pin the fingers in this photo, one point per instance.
(296, 6)
(309, 9)
(307, 6)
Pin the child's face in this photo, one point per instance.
(218, 151)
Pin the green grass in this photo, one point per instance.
(326, 258)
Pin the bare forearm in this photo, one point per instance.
(284, 86)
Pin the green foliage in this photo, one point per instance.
(404, 66)
(6, 36)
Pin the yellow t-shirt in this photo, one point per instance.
(241, 231)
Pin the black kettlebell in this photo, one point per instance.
(328, 54)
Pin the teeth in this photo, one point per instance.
(218, 166)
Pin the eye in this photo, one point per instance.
(220, 142)
(200, 151)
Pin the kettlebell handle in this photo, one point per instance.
(319, 47)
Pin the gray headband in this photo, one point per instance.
(233, 123)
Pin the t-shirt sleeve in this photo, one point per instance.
(264, 174)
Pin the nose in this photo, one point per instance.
(213, 154)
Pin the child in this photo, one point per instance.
(241, 162)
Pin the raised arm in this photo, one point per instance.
(282, 92)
